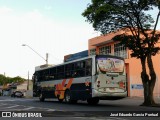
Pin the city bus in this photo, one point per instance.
(92, 78)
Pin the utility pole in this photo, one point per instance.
(28, 82)
(46, 58)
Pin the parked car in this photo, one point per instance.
(17, 94)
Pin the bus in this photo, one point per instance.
(92, 78)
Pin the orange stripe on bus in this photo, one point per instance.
(69, 83)
(63, 82)
(60, 88)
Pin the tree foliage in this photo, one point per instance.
(6, 80)
(109, 15)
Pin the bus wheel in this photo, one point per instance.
(73, 101)
(67, 97)
(93, 101)
(60, 100)
(41, 97)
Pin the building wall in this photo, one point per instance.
(133, 65)
(23, 86)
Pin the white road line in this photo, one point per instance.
(28, 108)
(51, 110)
(13, 106)
(7, 100)
(3, 104)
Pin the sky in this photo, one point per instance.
(55, 27)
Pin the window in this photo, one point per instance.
(88, 67)
(41, 75)
(53, 73)
(69, 70)
(60, 72)
(106, 50)
(92, 52)
(120, 50)
(79, 70)
(36, 77)
(46, 74)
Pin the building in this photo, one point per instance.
(26, 87)
(23, 86)
(75, 56)
(7, 89)
(105, 45)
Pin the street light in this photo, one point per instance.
(38, 53)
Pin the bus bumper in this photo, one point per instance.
(108, 95)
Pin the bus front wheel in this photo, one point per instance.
(60, 100)
(41, 97)
(67, 96)
(93, 101)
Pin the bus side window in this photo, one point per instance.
(88, 67)
(53, 73)
(79, 70)
(60, 72)
(47, 74)
(40, 75)
(43, 75)
(35, 77)
(68, 70)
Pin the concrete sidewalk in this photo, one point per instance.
(135, 101)
(157, 99)
(126, 102)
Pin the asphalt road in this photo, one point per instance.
(129, 107)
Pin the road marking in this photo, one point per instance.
(13, 106)
(51, 110)
(28, 108)
(3, 104)
(7, 100)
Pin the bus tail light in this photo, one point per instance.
(98, 84)
(122, 85)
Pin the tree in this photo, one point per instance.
(2, 79)
(5, 80)
(140, 35)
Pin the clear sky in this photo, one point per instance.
(48, 26)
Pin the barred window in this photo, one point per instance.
(120, 50)
(106, 50)
(92, 51)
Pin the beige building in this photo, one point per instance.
(23, 86)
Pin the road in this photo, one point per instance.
(81, 110)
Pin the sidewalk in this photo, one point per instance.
(129, 101)
(137, 101)
(157, 99)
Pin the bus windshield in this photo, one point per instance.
(113, 65)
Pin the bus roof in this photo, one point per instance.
(39, 68)
(47, 67)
